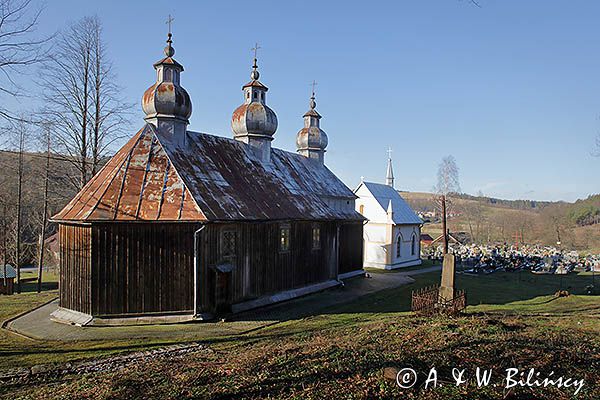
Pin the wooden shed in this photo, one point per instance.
(7, 279)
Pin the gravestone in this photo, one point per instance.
(447, 286)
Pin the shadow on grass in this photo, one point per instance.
(31, 286)
(499, 288)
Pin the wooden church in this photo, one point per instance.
(183, 225)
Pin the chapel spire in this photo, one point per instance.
(311, 140)
(389, 176)
(166, 103)
(254, 123)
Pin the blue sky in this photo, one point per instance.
(511, 89)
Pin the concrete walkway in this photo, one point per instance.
(37, 324)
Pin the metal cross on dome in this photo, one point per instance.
(313, 84)
(255, 50)
(169, 21)
(389, 151)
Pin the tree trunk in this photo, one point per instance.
(19, 202)
(4, 243)
(97, 100)
(84, 122)
(44, 218)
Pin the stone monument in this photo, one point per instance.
(447, 286)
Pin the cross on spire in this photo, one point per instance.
(169, 21)
(255, 50)
(313, 84)
(389, 151)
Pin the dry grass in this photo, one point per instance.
(341, 352)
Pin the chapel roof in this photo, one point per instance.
(402, 213)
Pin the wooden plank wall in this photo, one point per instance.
(143, 268)
(75, 267)
(259, 267)
(146, 268)
(351, 247)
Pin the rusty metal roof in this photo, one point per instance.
(138, 184)
(209, 178)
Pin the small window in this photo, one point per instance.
(362, 209)
(398, 246)
(316, 237)
(413, 245)
(284, 238)
(228, 243)
(255, 95)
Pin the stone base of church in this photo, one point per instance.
(351, 274)
(404, 264)
(283, 296)
(72, 317)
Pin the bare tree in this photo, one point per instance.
(18, 47)
(447, 176)
(83, 102)
(110, 112)
(22, 130)
(447, 183)
(44, 212)
(4, 233)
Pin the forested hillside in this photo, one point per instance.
(487, 220)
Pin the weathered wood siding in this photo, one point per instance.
(128, 269)
(142, 268)
(75, 267)
(260, 268)
(351, 247)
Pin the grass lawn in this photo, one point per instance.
(511, 321)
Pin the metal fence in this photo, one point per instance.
(427, 301)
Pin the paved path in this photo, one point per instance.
(37, 324)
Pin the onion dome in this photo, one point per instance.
(254, 119)
(166, 98)
(311, 140)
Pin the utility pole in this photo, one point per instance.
(44, 216)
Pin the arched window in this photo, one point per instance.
(413, 245)
(361, 209)
(398, 246)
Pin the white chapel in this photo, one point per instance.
(392, 233)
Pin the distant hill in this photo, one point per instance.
(490, 220)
